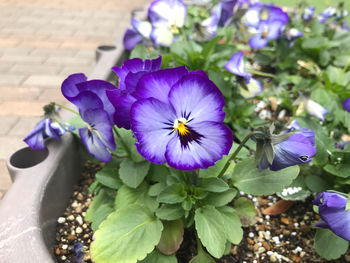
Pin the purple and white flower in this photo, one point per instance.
(140, 30)
(298, 148)
(308, 13)
(236, 66)
(123, 97)
(315, 109)
(331, 208)
(178, 119)
(328, 13)
(96, 111)
(167, 17)
(44, 129)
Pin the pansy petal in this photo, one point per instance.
(346, 104)
(197, 99)
(274, 29)
(94, 146)
(99, 121)
(254, 88)
(226, 11)
(236, 65)
(215, 142)
(122, 104)
(315, 109)
(158, 84)
(152, 122)
(69, 88)
(258, 42)
(161, 35)
(144, 28)
(252, 16)
(99, 87)
(35, 139)
(174, 12)
(50, 131)
(87, 100)
(131, 39)
(297, 149)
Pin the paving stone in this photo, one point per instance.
(44, 80)
(54, 95)
(5, 180)
(66, 71)
(21, 58)
(7, 122)
(34, 68)
(54, 52)
(11, 79)
(23, 126)
(9, 145)
(68, 61)
(22, 108)
(19, 93)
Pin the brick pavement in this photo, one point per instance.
(41, 43)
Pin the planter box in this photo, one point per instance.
(43, 185)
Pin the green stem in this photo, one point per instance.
(263, 74)
(233, 156)
(66, 108)
(128, 152)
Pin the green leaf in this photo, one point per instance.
(210, 228)
(170, 212)
(201, 257)
(173, 194)
(157, 257)
(126, 145)
(299, 195)
(246, 211)
(155, 189)
(140, 51)
(314, 42)
(316, 184)
(215, 185)
(127, 196)
(328, 245)
(340, 170)
(220, 199)
(132, 173)
(100, 207)
(172, 237)
(109, 177)
(126, 236)
(247, 178)
(347, 207)
(232, 224)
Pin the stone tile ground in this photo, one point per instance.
(41, 42)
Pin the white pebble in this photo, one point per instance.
(78, 230)
(255, 261)
(241, 192)
(259, 244)
(63, 257)
(70, 218)
(267, 223)
(296, 224)
(294, 233)
(281, 236)
(269, 204)
(267, 217)
(269, 253)
(250, 196)
(75, 204)
(261, 220)
(276, 240)
(268, 235)
(298, 249)
(79, 219)
(251, 234)
(65, 246)
(61, 220)
(254, 199)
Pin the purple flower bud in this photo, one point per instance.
(346, 104)
(331, 207)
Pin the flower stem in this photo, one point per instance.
(66, 108)
(128, 152)
(233, 156)
(263, 74)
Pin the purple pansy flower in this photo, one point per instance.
(266, 21)
(178, 119)
(45, 128)
(331, 208)
(236, 66)
(296, 149)
(96, 111)
(308, 13)
(167, 17)
(82, 93)
(328, 13)
(346, 104)
(123, 97)
(140, 30)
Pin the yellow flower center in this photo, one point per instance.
(264, 15)
(174, 29)
(180, 126)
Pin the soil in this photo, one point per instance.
(287, 237)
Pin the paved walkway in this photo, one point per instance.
(41, 43)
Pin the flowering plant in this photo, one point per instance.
(212, 106)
